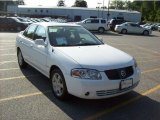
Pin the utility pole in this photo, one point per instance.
(98, 8)
(108, 10)
(103, 10)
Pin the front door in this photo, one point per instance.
(39, 53)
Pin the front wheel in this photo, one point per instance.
(59, 84)
(123, 31)
(146, 32)
(21, 62)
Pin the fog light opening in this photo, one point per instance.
(87, 94)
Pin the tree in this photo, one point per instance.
(128, 5)
(117, 4)
(80, 3)
(61, 3)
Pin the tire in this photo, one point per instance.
(101, 30)
(123, 31)
(22, 64)
(59, 85)
(146, 32)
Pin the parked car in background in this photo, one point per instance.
(114, 22)
(95, 24)
(159, 28)
(76, 61)
(152, 26)
(130, 27)
(11, 24)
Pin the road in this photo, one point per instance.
(26, 94)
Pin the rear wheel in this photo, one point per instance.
(21, 62)
(146, 32)
(101, 30)
(59, 84)
(123, 31)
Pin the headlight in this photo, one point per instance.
(135, 63)
(86, 74)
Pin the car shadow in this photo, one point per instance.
(131, 34)
(9, 32)
(77, 108)
(107, 33)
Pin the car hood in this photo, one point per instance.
(100, 57)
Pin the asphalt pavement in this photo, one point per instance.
(26, 94)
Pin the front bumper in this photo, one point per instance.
(99, 89)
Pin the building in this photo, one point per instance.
(5, 3)
(74, 13)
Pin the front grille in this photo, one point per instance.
(114, 91)
(116, 74)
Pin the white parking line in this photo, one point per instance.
(24, 96)
(122, 104)
(7, 49)
(4, 62)
(19, 77)
(9, 69)
(7, 54)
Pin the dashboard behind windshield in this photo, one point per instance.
(71, 36)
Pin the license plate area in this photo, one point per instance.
(126, 83)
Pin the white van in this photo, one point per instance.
(95, 24)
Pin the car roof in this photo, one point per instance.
(46, 24)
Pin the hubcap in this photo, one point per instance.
(145, 32)
(20, 58)
(57, 84)
(101, 30)
(124, 31)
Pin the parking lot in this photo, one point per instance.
(26, 94)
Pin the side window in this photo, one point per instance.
(30, 31)
(88, 21)
(103, 21)
(94, 21)
(133, 25)
(11, 20)
(40, 33)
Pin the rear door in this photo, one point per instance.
(134, 28)
(95, 24)
(26, 42)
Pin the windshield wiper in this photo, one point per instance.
(86, 44)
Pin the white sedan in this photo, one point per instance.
(76, 61)
(129, 27)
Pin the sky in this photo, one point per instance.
(69, 3)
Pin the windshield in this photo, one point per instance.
(71, 36)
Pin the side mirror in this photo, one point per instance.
(40, 42)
